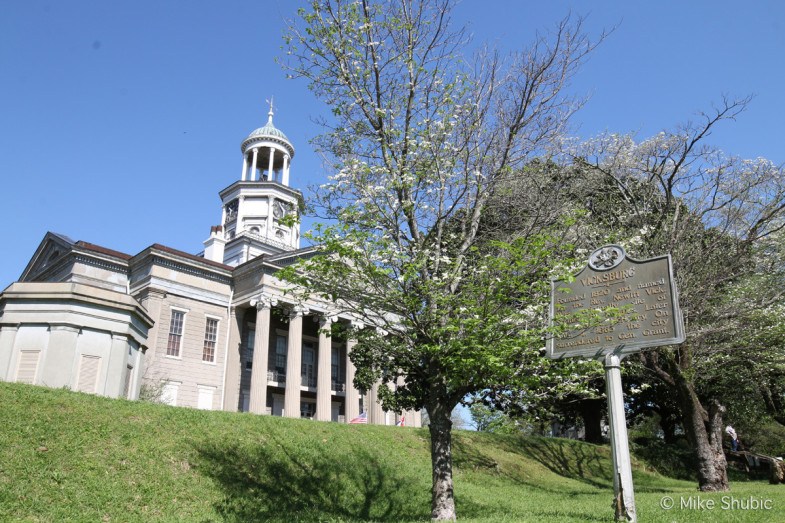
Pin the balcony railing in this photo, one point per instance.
(306, 381)
(277, 376)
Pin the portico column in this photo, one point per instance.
(285, 176)
(253, 164)
(376, 415)
(270, 165)
(323, 376)
(245, 166)
(294, 358)
(352, 407)
(405, 415)
(258, 402)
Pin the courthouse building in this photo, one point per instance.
(209, 331)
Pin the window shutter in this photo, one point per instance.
(89, 367)
(169, 393)
(205, 400)
(27, 366)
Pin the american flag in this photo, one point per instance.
(362, 418)
(401, 422)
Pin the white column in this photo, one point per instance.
(231, 392)
(624, 497)
(261, 351)
(253, 164)
(406, 414)
(245, 166)
(352, 407)
(270, 165)
(285, 179)
(294, 358)
(376, 415)
(323, 374)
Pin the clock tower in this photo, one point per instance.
(260, 212)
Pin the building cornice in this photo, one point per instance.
(181, 262)
(262, 188)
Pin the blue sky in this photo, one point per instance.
(121, 121)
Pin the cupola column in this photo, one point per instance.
(270, 175)
(285, 175)
(253, 165)
(245, 166)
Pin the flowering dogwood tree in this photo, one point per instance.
(419, 138)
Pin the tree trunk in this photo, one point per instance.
(704, 432)
(442, 498)
(590, 411)
(668, 425)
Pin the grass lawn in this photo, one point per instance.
(68, 456)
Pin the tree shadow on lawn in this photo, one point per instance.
(565, 458)
(576, 460)
(268, 482)
(558, 456)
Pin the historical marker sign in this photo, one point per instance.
(644, 289)
(645, 294)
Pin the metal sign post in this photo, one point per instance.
(624, 495)
(646, 293)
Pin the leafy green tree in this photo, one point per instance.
(420, 138)
(746, 364)
(488, 419)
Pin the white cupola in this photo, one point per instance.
(267, 154)
(260, 211)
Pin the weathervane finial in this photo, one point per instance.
(270, 112)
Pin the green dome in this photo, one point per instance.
(270, 133)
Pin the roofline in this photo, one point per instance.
(182, 254)
(74, 248)
(103, 250)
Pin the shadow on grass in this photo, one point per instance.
(565, 458)
(569, 459)
(268, 482)
(575, 460)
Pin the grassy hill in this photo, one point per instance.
(67, 456)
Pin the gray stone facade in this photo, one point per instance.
(209, 331)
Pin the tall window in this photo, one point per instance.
(175, 334)
(249, 343)
(335, 369)
(281, 349)
(309, 365)
(210, 337)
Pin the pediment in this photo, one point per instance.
(53, 248)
